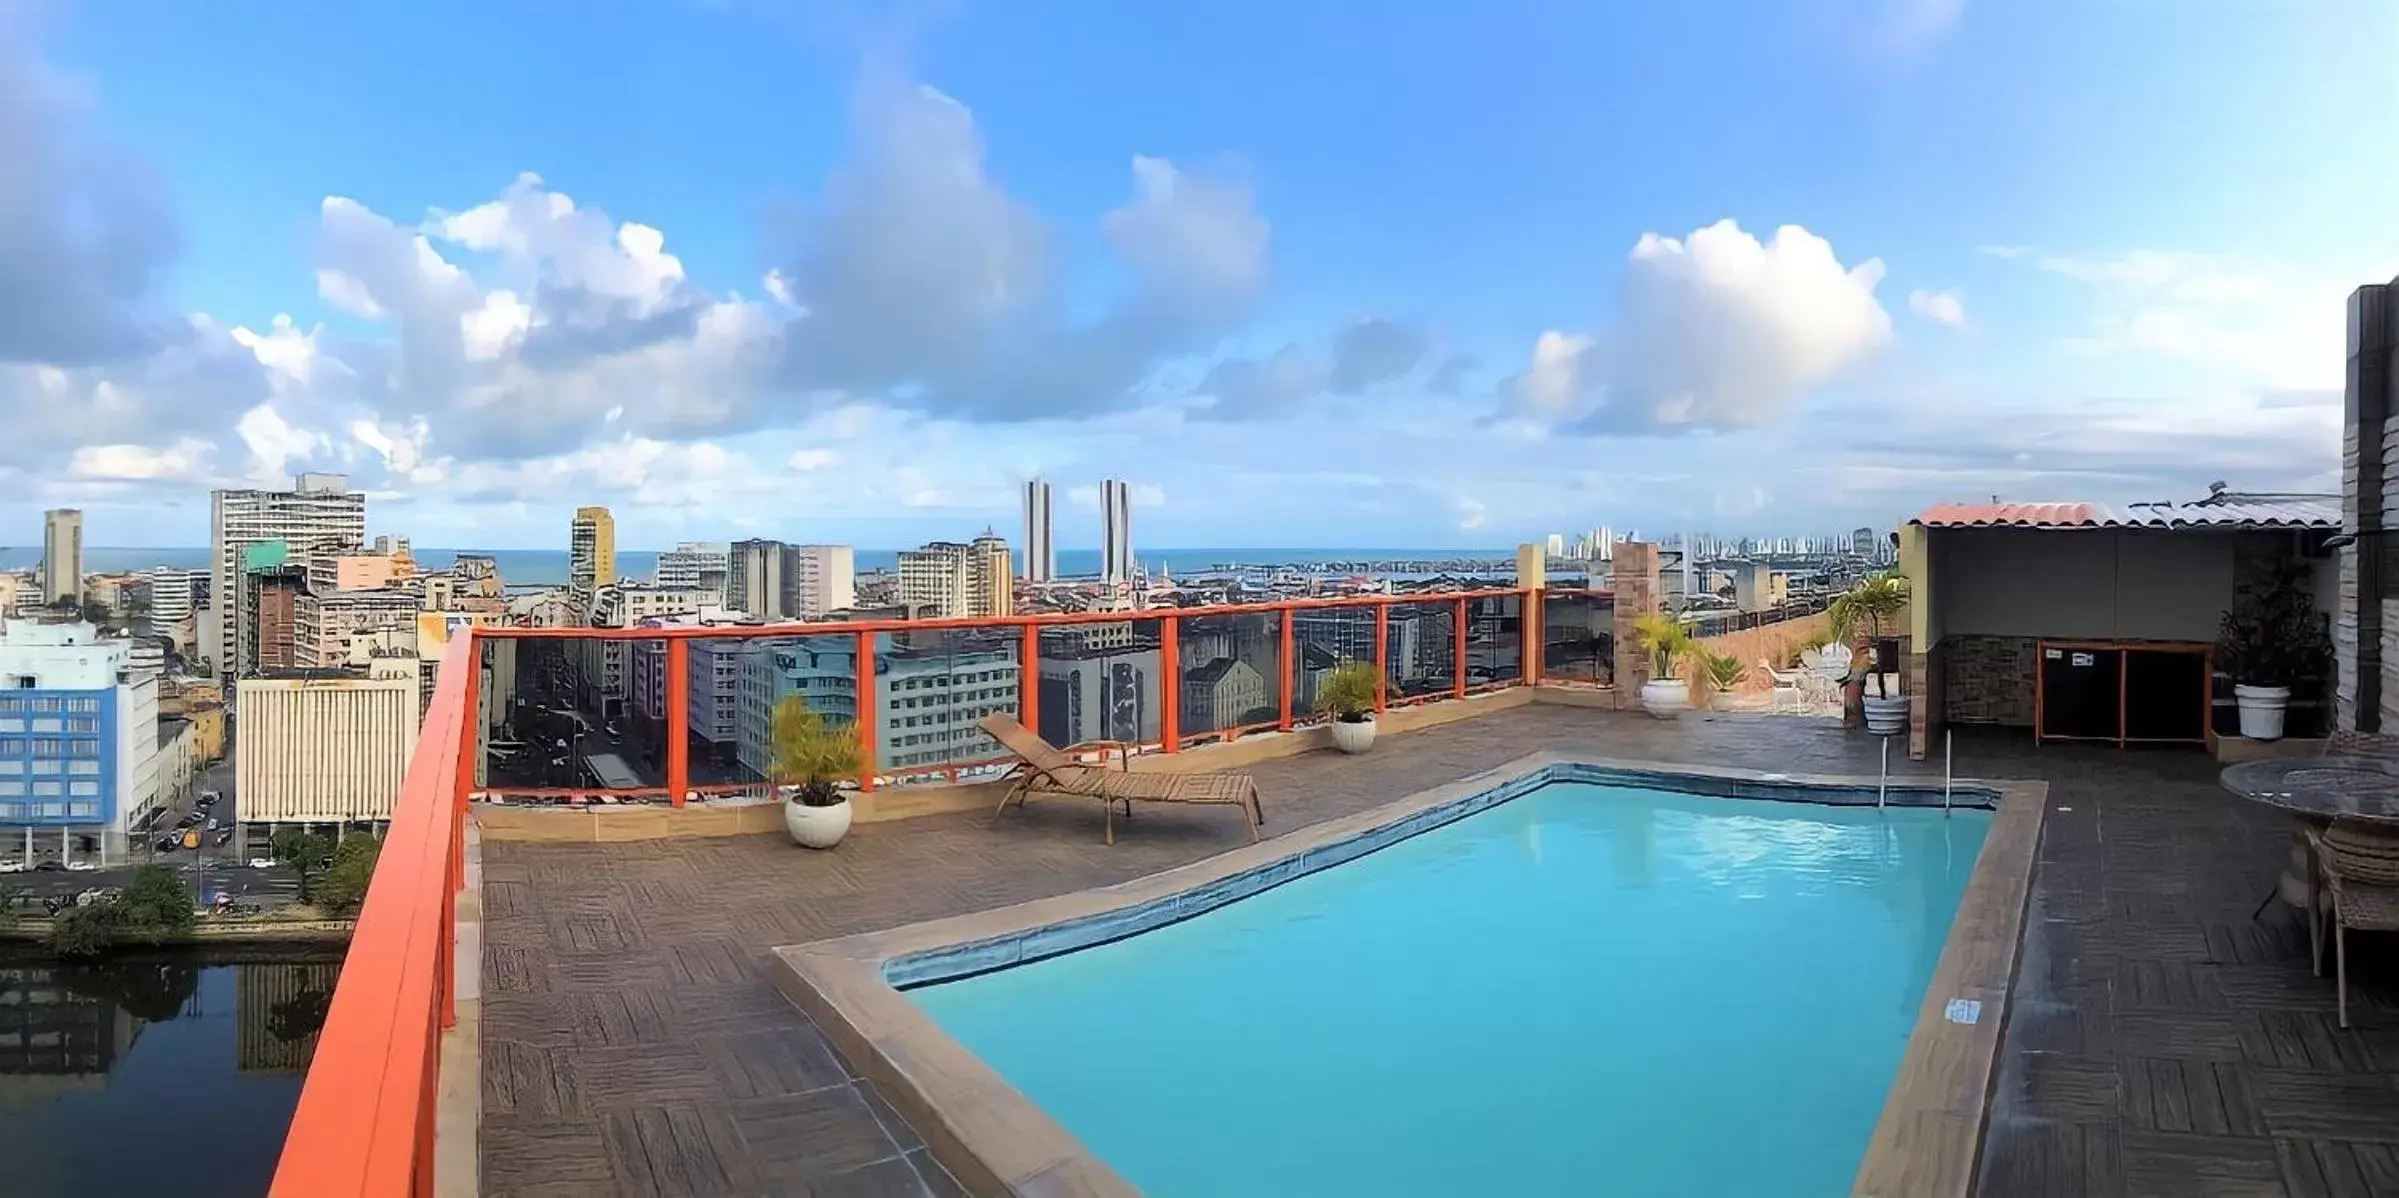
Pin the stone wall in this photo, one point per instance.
(2366, 625)
(1635, 581)
(1987, 680)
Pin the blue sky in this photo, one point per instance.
(1309, 275)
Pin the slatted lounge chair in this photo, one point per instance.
(1047, 769)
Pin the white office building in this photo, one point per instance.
(1116, 532)
(325, 746)
(692, 565)
(79, 749)
(1041, 555)
(320, 509)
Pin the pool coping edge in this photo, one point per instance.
(995, 1140)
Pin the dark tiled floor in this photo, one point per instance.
(2165, 1044)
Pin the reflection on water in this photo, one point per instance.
(157, 1075)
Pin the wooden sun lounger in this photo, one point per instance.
(1047, 769)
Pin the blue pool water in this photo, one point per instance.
(1586, 990)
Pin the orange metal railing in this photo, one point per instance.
(676, 785)
(366, 1117)
(365, 1121)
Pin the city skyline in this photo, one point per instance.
(1894, 265)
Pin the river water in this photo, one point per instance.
(153, 1075)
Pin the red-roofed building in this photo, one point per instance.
(2094, 621)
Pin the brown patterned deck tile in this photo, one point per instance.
(513, 969)
(2071, 1089)
(529, 1080)
(814, 1135)
(643, 1074)
(619, 1018)
(708, 961)
(582, 973)
(894, 1178)
(2313, 1105)
(2189, 1034)
(2205, 1097)
(538, 1018)
(773, 1063)
(750, 1004)
(544, 1156)
(2044, 1157)
(2339, 1169)
(2173, 1165)
(2311, 1040)
(676, 1150)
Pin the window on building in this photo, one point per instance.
(84, 746)
(84, 810)
(53, 810)
(23, 682)
(49, 703)
(11, 724)
(12, 810)
(46, 724)
(10, 747)
(83, 724)
(85, 705)
(83, 788)
(48, 788)
(49, 747)
(11, 705)
(11, 767)
(11, 786)
(78, 767)
(49, 766)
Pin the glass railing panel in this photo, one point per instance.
(1324, 638)
(1420, 650)
(1099, 682)
(1494, 641)
(1578, 640)
(933, 689)
(1229, 672)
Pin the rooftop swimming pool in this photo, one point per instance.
(1585, 989)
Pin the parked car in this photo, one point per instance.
(51, 866)
(262, 863)
(224, 838)
(80, 867)
(167, 844)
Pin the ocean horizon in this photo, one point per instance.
(547, 567)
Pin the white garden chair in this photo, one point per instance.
(1789, 685)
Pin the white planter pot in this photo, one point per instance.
(2261, 710)
(1353, 737)
(1886, 717)
(1665, 698)
(817, 827)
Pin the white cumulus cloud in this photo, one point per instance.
(1940, 307)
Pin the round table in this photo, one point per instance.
(2322, 788)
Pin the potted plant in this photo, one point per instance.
(2271, 640)
(1873, 607)
(1347, 695)
(1721, 671)
(1666, 641)
(810, 759)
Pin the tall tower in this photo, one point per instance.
(62, 556)
(319, 510)
(1116, 532)
(591, 549)
(1041, 558)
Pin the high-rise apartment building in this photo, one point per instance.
(690, 565)
(62, 556)
(176, 594)
(320, 509)
(1116, 532)
(775, 581)
(947, 580)
(591, 549)
(1041, 555)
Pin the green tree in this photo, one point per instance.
(155, 904)
(309, 856)
(342, 888)
(86, 931)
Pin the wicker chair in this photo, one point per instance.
(2360, 866)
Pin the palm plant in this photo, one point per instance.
(1666, 640)
(810, 755)
(1347, 693)
(1724, 670)
(1874, 605)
